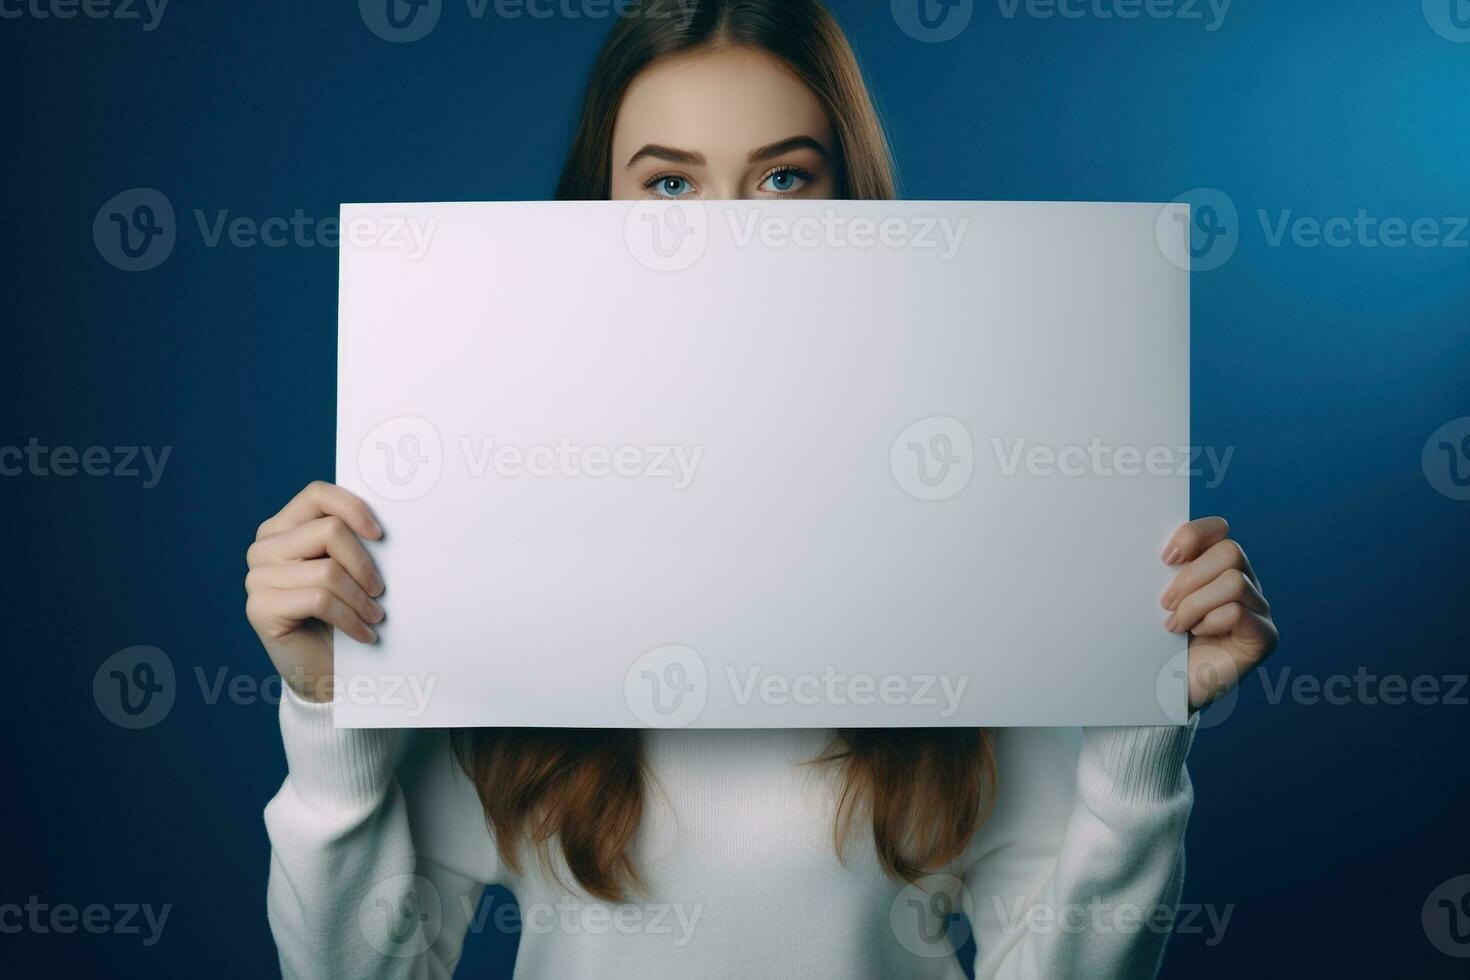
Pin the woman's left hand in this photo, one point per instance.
(1217, 599)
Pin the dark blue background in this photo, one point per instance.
(1325, 826)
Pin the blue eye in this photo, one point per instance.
(785, 180)
(670, 185)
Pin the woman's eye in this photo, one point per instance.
(784, 181)
(670, 185)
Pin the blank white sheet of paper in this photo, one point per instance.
(766, 464)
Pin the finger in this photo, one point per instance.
(1245, 627)
(1229, 587)
(318, 573)
(322, 499)
(289, 607)
(1205, 569)
(325, 536)
(1194, 538)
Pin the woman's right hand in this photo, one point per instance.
(308, 574)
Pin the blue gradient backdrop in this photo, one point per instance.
(1324, 827)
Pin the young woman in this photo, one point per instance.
(692, 854)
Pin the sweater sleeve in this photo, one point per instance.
(351, 893)
(1079, 872)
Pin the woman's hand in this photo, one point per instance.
(1217, 599)
(309, 573)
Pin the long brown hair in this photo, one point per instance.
(926, 791)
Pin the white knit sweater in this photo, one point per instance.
(380, 857)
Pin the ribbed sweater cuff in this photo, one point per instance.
(1134, 765)
(333, 766)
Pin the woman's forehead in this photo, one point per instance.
(721, 103)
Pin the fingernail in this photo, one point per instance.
(1169, 600)
(375, 611)
(372, 635)
(377, 586)
(375, 527)
(1172, 556)
(1171, 624)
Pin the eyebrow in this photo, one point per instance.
(785, 146)
(667, 153)
(692, 159)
